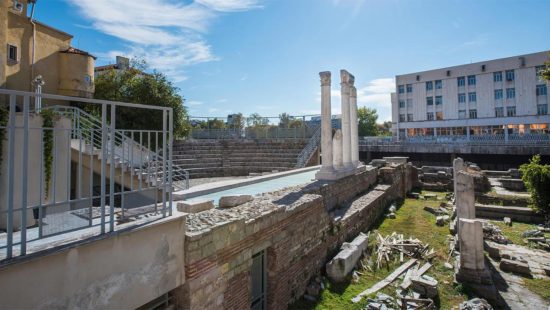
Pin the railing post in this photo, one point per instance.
(163, 163)
(112, 170)
(170, 159)
(11, 154)
(103, 162)
(24, 175)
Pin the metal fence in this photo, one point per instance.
(64, 170)
(485, 139)
(290, 127)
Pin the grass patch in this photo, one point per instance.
(539, 286)
(515, 231)
(411, 220)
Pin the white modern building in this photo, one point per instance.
(503, 98)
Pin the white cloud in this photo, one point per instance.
(167, 34)
(213, 110)
(194, 103)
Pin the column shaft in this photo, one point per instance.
(326, 123)
(354, 127)
(346, 130)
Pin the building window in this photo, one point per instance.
(538, 70)
(461, 98)
(409, 88)
(472, 97)
(429, 100)
(510, 111)
(409, 103)
(439, 116)
(542, 109)
(471, 80)
(473, 113)
(510, 75)
(510, 93)
(497, 76)
(409, 117)
(461, 81)
(401, 103)
(401, 117)
(438, 84)
(438, 100)
(498, 94)
(541, 90)
(401, 89)
(499, 112)
(430, 116)
(12, 53)
(461, 113)
(429, 86)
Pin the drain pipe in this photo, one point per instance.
(33, 39)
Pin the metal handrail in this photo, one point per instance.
(309, 149)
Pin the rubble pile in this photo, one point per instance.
(395, 244)
(538, 238)
(493, 233)
(475, 304)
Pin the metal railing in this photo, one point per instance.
(81, 175)
(484, 139)
(309, 149)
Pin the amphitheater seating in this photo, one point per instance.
(216, 158)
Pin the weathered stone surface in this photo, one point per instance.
(465, 196)
(515, 267)
(195, 206)
(425, 286)
(475, 304)
(344, 262)
(233, 201)
(391, 215)
(508, 221)
(441, 220)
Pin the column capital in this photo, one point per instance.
(325, 78)
(347, 77)
(353, 92)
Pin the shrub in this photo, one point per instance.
(536, 177)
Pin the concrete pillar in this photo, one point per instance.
(465, 196)
(346, 130)
(506, 134)
(337, 150)
(468, 134)
(354, 127)
(326, 124)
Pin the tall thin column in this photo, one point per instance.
(337, 150)
(326, 123)
(346, 130)
(354, 128)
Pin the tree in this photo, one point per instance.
(284, 120)
(367, 121)
(135, 86)
(536, 177)
(546, 72)
(236, 121)
(256, 120)
(384, 129)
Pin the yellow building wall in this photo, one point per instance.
(76, 75)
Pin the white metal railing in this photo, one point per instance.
(80, 174)
(485, 139)
(309, 149)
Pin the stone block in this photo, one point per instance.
(465, 196)
(195, 206)
(344, 262)
(441, 220)
(425, 286)
(233, 201)
(515, 267)
(471, 244)
(508, 221)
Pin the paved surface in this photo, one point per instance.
(196, 182)
(495, 184)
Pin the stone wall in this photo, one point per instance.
(299, 228)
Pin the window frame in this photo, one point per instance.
(510, 111)
(501, 110)
(430, 99)
(438, 84)
(472, 80)
(472, 95)
(430, 87)
(401, 89)
(15, 48)
(539, 106)
(440, 101)
(511, 93)
(430, 116)
(461, 81)
(497, 74)
(462, 98)
(472, 113)
(401, 104)
(409, 88)
(512, 75)
(541, 90)
(500, 93)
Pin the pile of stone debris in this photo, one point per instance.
(538, 238)
(444, 213)
(493, 233)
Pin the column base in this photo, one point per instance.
(339, 173)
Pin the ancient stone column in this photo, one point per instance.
(337, 150)
(458, 165)
(326, 124)
(472, 260)
(346, 129)
(354, 129)
(465, 196)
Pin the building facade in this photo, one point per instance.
(503, 98)
(31, 49)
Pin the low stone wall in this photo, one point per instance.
(299, 228)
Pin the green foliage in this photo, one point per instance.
(237, 121)
(536, 177)
(256, 120)
(546, 72)
(48, 123)
(367, 122)
(384, 129)
(3, 123)
(136, 86)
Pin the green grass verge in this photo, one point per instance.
(411, 220)
(539, 286)
(515, 231)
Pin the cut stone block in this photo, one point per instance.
(425, 286)
(465, 196)
(195, 206)
(233, 201)
(344, 262)
(508, 221)
(515, 267)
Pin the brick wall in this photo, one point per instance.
(296, 229)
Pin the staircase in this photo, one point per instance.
(135, 165)
(217, 158)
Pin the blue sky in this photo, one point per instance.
(264, 56)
